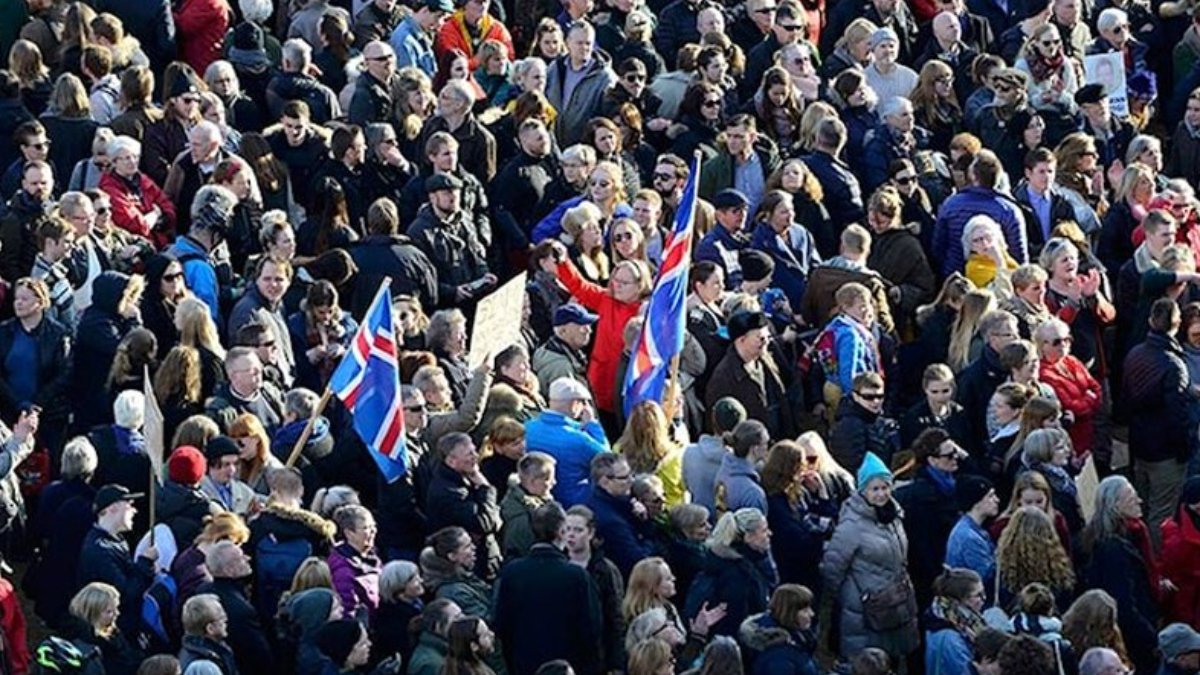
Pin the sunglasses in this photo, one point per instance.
(952, 456)
(664, 176)
(39, 146)
(873, 396)
(1058, 342)
(791, 28)
(601, 183)
(904, 180)
(174, 276)
(415, 408)
(623, 236)
(1051, 43)
(712, 103)
(386, 57)
(634, 78)
(812, 460)
(103, 209)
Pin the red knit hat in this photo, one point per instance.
(186, 466)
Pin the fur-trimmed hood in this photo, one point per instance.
(759, 632)
(308, 519)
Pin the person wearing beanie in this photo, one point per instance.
(702, 459)
(182, 506)
(300, 616)
(167, 138)
(868, 550)
(221, 483)
(1181, 555)
(886, 77)
(345, 646)
(748, 372)
(932, 493)
(723, 242)
(970, 546)
(758, 271)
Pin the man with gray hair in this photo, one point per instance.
(211, 211)
(843, 193)
(1101, 661)
(576, 83)
(897, 137)
(230, 569)
(193, 169)
(295, 83)
(978, 381)
(64, 516)
(535, 479)
(476, 145)
(459, 494)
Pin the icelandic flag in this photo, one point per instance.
(368, 382)
(661, 338)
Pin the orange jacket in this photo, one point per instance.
(453, 35)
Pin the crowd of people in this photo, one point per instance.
(937, 404)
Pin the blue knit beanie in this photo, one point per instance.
(872, 467)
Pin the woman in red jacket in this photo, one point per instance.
(1077, 391)
(138, 205)
(201, 26)
(628, 285)
(1181, 556)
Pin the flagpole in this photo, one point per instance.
(308, 427)
(153, 502)
(673, 371)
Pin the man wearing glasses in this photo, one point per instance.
(372, 100)
(787, 24)
(31, 138)
(753, 24)
(979, 379)
(1112, 135)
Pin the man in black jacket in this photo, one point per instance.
(293, 83)
(230, 569)
(677, 27)
(444, 231)
(151, 22)
(843, 194)
(105, 554)
(372, 100)
(519, 191)
(402, 502)
(385, 253)
(1156, 397)
(192, 169)
(786, 29)
(978, 381)
(459, 494)
(25, 213)
(547, 608)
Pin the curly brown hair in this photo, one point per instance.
(1030, 551)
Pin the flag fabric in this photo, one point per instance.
(662, 334)
(153, 425)
(367, 381)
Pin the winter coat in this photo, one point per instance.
(546, 609)
(1155, 387)
(741, 578)
(765, 400)
(202, 25)
(52, 370)
(919, 418)
(614, 314)
(958, 209)
(927, 532)
(390, 631)
(586, 98)
(183, 508)
(795, 255)
(129, 208)
(355, 579)
(627, 538)
(857, 431)
(105, 557)
(843, 194)
(866, 556)
(818, 304)
(971, 547)
(1116, 565)
(447, 580)
(1077, 392)
(429, 655)
(701, 462)
(100, 331)
(452, 247)
(897, 256)
(573, 446)
(516, 534)
(322, 102)
(396, 256)
(247, 639)
(119, 656)
(453, 500)
(200, 648)
(72, 141)
(19, 223)
(63, 519)
(976, 384)
(476, 146)
(1183, 154)
(799, 530)
(1181, 564)
(718, 173)
(775, 650)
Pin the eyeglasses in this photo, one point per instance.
(905, 180)
(1051, 43)
(385, 57)
(415, 408)
(791, 28)
(664, 176)
(952, 456)
(871, 396)
(634, 78)
(40, 145)
(623, 236)
(712, 102)
(1060, 341)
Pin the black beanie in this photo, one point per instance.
(336, 639)
(970, 490)
(756, 265)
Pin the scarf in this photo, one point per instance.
(1139, 536)
(1042, 67)
(943, 480)
(1059, 479)
(887, 513)
(962, 618)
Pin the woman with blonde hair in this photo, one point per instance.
(25, 62)
(177, 386)
(628, 242)
(1092, 621)
(739, 568)
(1130, 204)
(582, 223)
(648, 447)
(68, 121)
(312, 573)
(193, 319)
(1029, 551)
(795, 178)
(935, 105)
(1032, 489)
(92, 620)
(805, 489)
(651, 585)
(651, 657)
(1039, 412)
(605, 190)
(965, 344)
(255, 460)
(852, 49)
(937, 319)
(1051, 83)
(989, 264)
(814, 114)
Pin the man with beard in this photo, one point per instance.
(26, 211)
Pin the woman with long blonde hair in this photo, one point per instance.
(935, 105)
(963, 345)
(196, 328)
(1029, 551)
(177, 386)
(255, 459)
(648, 447)
(26, 63)
(651, 585)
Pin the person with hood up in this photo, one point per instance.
(702, 460)
(182, 506)
(865, 564)
(300, 616)
(783, 639)
(953, 621)
(112, 315)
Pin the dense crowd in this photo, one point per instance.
(935, 411)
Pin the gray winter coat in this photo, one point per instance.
(585, 100)
(866, 556)
(701, 462)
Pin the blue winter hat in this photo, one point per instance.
(872, 468)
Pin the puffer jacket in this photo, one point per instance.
(100, 331)
(775, 650)
(355, 579)
(866, 556)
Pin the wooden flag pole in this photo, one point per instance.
(308, 428)
(153, 501)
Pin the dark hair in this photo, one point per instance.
(546, 521)
(555, 667)
(27, 132)
(693, 98)
(1025, 655)
(250, 334)
(343, 140)
(1163, 314)
(330, 209)
(927, 443)
(1039, 155)
(746, 435)
(701, 272)
(337, 33)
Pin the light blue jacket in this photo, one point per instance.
(970, 547)
(741, 483)
(199, 274)
(413, 47)
(947, 652)
(572, 446)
